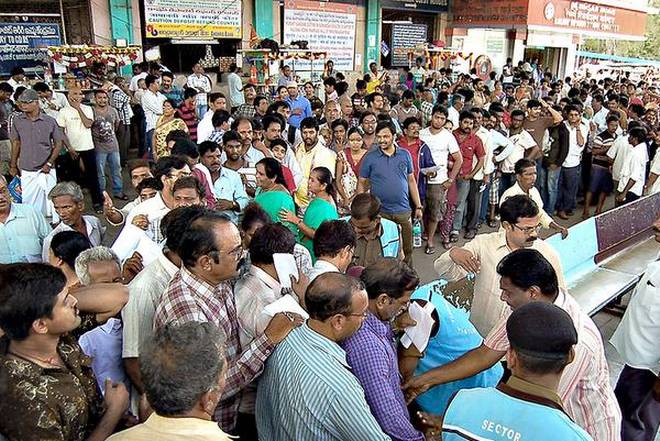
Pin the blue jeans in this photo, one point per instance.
(463, 188)
(552, 189)
(201, 110)
(115, 170)
(569, 179)
(506, 181)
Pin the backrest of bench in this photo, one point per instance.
(625, 226)
(577, 251)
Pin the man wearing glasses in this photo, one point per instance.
(212, 253)
(520, 226)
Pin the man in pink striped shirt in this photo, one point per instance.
(526, 276)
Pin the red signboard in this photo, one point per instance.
(581, 17)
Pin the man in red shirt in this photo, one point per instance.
(467, 201)
(187, 111)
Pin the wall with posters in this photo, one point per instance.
(326, 26)
(20, 43)
(193, 19)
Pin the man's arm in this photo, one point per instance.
(468, 365)
(458, 162)
(86, 121)
(15, 153)
(104, 299)
(363, 185)
(414, 191)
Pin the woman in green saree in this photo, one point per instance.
(323, 207)
(272, 194)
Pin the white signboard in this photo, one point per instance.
(328, 27)
(193, 19)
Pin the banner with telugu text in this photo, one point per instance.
(326, 26)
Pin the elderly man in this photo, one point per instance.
(139, 170)
(301, 108)
(307, 390)
(69, 203)
(375, 236)
(584, 387)
(103, 343)
(211, 252)
(520, 226)
(36, 141)
(183, 404)
(22, 230)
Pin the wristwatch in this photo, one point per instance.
(49, 164)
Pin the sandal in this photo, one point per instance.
(446, 245)
(429, 250)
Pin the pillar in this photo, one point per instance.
(263, 18)
(121, 24)
(372, 34)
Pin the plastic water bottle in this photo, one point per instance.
(417, 233)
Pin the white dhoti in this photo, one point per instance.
(35, 186)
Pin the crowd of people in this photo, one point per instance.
(261, 282)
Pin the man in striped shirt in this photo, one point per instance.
(600, 181)
(307, 390)
(526, 276)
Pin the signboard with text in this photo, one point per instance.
(193, 19)
(24, 44)
(416, 5)
(328, 27)
(585, 17)
(405, 37)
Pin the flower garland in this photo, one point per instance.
(83, 55)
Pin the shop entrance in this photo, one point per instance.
(548, 57)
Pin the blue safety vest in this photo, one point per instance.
(490, 414)
(389, 240)
(456, 336)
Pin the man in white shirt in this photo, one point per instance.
(50, 102)
(145, 290)
(334, 245)
(525, 180)
(202, 84)
(148, 215)
(143, 69)
(217, 101)
(235, 88)
(570, 169)
(599, 120)
(311, 154)
(76, 121)
(523, 146)
(152, 103)
(497, 148)
(454, 112)
(633, 172)
(442, 144)
(636, 339)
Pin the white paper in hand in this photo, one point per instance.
(284, 304)
(420, 333)
(285, 265)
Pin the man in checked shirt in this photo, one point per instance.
(200, 291)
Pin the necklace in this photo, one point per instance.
(51, 361)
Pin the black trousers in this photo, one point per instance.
(473, 206)
(641, 412)
(246, 427)
(88, 177)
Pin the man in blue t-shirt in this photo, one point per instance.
(388, 172)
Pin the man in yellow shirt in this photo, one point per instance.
(311, 154)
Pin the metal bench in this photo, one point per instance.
(604, 256)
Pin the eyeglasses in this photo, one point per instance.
(178, 175)
(363, 315)
(529, 230)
